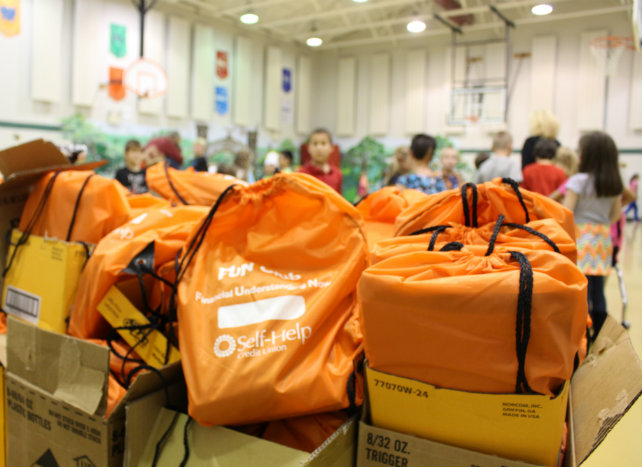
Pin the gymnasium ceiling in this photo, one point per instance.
(345, 23)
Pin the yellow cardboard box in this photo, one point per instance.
(517, 426)
(43, 299)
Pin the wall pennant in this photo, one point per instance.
(287, 80)
(221, 64)
(118, 40)
(10, 17)
(221, 100)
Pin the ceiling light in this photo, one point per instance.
(542, 9)
(249, 18)
(416, 26)
(314, 41)
(359, 1)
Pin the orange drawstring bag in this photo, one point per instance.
(475, 205)
(167, 229)
(144, 202)
(80, 206)
(381, 208)
(187, 186)
(267, 319)
(498, 322)
(544, 234)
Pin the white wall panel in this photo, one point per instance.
(257, 87)
(379, 94)
(461, 55)
(590, 86)
(346, 96)
(155, 51)
(635, 106)
(202, 73)
(273, 70)
(303, 95)
(243, 82)
(88, 52)
(415, 92)
(46, 70)
(543, 63)
(495, 61)
(178, 67)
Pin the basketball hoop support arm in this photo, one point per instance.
(143, 6)
(507, 25)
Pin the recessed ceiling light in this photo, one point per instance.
(249, 18)
(314, 41)
(542, 9)
(359, 1)
(416, 26)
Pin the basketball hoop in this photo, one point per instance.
(472, 119)
(146, 78)
(607, 51)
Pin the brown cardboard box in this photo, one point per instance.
(21, 167)
(56, 389)
(602, 390)
(220, 446)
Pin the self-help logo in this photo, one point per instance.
(260, 343)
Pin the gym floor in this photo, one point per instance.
(623, 446)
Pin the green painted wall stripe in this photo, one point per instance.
(475, 151)
(30, 126)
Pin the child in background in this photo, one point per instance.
(199, 162)
(566, 159)
(449, 158)
(480, 158)
(422, 178)
(320, 148)
(285, 161)
(594, 196)
(633, 205)
(132, 176)
(500, 163)
(401, 164)
(271, 164)
(543, 176)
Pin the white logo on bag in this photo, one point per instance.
(285, 307)
(234, 271)
(231, 345)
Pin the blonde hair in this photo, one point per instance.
(401, 152)
(544, 123)
(566, 159)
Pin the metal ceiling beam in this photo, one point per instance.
(252, 5)
(338, 11)
(479, 27)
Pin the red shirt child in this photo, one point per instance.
(543, 176)
(320, 148)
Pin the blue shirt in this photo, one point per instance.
(428, 185)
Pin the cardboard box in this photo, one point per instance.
(56, 389)
(526, 426)
(22, 166)
(220, 446)
(602, 390)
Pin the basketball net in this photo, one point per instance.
(608, 50)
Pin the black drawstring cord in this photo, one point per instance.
(433, 239)
(515, 186)
(452, 246)
(523, 321)
(426, 230)
(186, 442)
(75, 213)
(493, 237)
(161, 442)
(171, 185)
(468, 222)
(550, 242)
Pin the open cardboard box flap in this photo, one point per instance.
(603, 388)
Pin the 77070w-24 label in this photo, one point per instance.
(400, 388)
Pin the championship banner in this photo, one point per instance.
(222, 100)
(287, 80)
(10, 17)
(221, 64)
(118, 40)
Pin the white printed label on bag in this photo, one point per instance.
(22, 304)
(281, 308)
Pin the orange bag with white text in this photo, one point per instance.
(187, 186)
(381, 208)
(167, 228)
(498, 322)
(476, 205)
(78, 206)
(266, 303)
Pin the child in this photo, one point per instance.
(200, 161)
(543, 176)
(500, 164)
(449, 158)
(633, 205)
(320, 147)
(593, 194)
(271, 164)
(132, 176)
(566, 159)
(480, 158)
(421, 177)
(285, 161)
(400, 165)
